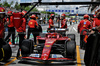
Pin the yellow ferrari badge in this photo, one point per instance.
(31, 23)
(83, 25)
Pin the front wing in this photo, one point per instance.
(50, 59)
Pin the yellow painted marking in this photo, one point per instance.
(82, 59)
(10, 61)
(12, 57)
(78, 56)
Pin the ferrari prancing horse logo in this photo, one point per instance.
(31, 23)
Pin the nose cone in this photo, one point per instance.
(44, 57)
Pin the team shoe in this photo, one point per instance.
(18, 54)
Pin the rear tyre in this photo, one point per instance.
(5, 52)
(72, 36)
(70, 49)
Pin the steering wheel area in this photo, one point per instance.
(53, 35)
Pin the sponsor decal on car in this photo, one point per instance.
(49, 42)
(47, 45)
(45, 51)
(54, 56)
(44, 55)
(36, 55)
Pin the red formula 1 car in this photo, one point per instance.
(52, 43)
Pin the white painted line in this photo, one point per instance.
(74, 29)
(70, 27)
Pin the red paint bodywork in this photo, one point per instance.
(49, 41)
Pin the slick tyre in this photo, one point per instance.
(27, 47)
(5, 52)
(70, 49)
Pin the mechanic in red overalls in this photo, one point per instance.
(51, 24)
(11, 29)
(63, 21)
(96, 25)
(2, 22)
(22, 29)
(21, 32)
(32, 27)
(92, 19)
(84, 24)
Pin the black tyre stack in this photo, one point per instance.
(27, 47)
(5, 52)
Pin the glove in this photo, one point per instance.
(37, 27)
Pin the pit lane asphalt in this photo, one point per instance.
(80, 54)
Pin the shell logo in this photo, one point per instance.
(47, 45)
